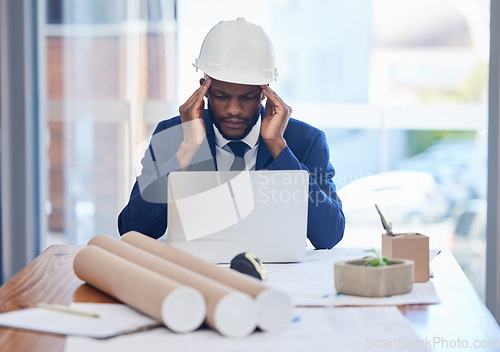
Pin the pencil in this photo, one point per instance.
(66, 309)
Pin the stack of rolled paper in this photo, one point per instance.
(179, 289)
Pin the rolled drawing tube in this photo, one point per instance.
(179, 307)
(230, 312)
(274, 307)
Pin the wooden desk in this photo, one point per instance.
(50, 278)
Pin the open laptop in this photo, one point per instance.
(216, 215)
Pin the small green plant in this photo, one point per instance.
(376, 259)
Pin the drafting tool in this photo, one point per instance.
(387, 227)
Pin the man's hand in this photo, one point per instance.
(191, 113)
(193, 126)
(274, 122)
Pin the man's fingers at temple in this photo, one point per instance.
(270, 94)
(270, 108)
(200, 92)
(277, 102)
(197, 96)
(195, 102)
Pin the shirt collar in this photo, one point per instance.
(250, 139)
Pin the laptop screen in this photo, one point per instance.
(219, 214)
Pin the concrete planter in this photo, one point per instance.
(353, 278)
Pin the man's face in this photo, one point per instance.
(234, 108)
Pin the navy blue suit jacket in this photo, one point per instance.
(306, 149)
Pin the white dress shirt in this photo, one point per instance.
(225, 156)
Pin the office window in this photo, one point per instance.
(1, 260)
(399, 87)
(102, 61)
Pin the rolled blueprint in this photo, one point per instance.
(274, 307)
(179, 307)
(230, 312)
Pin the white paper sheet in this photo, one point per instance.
(114, 319)
(422, 293)
(312, 282)
(313, 329)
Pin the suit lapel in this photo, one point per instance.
(210, 136)
(264, 156)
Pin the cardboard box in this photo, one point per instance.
(413, 246)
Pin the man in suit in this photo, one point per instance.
(235, 132)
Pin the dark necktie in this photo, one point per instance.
(238, 149)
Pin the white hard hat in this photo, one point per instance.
(237, 52)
